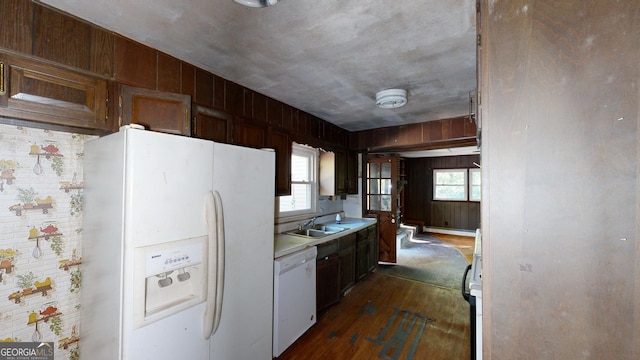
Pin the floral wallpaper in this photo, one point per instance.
(41, 237)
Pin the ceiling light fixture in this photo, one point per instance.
(257, 3)
(391, 98)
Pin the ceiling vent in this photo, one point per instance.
(391, 98)
(257, 3)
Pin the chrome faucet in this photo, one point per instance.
(307, 224)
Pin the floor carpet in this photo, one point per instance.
(428, 259)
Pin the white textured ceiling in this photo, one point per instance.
(326, 57)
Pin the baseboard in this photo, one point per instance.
(471, 233)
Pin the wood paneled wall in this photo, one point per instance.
(437, 134)
(418, 195)
(561, 170)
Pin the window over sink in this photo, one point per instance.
(304, 183)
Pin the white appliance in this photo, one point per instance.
(474, 297)
(475, 289)
(294, 309)
(178, 248)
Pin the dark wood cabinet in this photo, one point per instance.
(372, 247)
(366, 251)
(156, 110)
(327, 275)
(42, 92)
(135, 64)
(341, 172)
(352, 172)
(342, 262)
(281, 143)
(336, 168)
(362, 257)
(347, 254)
(249, 133)
(211, 124)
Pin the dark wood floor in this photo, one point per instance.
(389, 318)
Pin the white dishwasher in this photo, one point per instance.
(294, 291)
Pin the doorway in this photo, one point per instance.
(381, 201)
(399, 190)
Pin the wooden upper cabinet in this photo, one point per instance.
(16, 27)
(204, 88)
(352, 172)
(169, 72)
(156, 110)
(281, 143)
(42, 92)
(341, 171)
(211, 124)
(61, 38)
(249, 133)
(135, 64)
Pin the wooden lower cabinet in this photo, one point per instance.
(340, 263)
(372, 248)
(366, 251)
(362, 254)
(39, 91)
(327, 275)
(347, 254)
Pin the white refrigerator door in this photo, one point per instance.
(167, 180)
(142, 188)
(245, 179)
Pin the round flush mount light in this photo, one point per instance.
(257, 3)
(391, 98)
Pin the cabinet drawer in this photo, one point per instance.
(363, 234)
(327, 249)
(347, 241)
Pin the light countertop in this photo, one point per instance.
(288, 244)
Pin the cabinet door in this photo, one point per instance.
(249, 133)
(280, 142)
(347, 255)
(362, 255)
(156, 110)
(211, 124)
(352, 172)
(42, 92)
(341, 172)
(327, 281)
(372, 248)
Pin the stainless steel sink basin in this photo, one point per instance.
(307, 233)
(317, 231)
(329, 228)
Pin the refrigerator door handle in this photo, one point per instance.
(215, 263)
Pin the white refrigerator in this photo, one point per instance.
(178, 248)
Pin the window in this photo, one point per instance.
(474, 185)
(303, 182)
(450, 184)
(457, 184)
(379, 186)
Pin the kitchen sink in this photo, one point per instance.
(329, 228)
(307, 233)
(317, 231)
